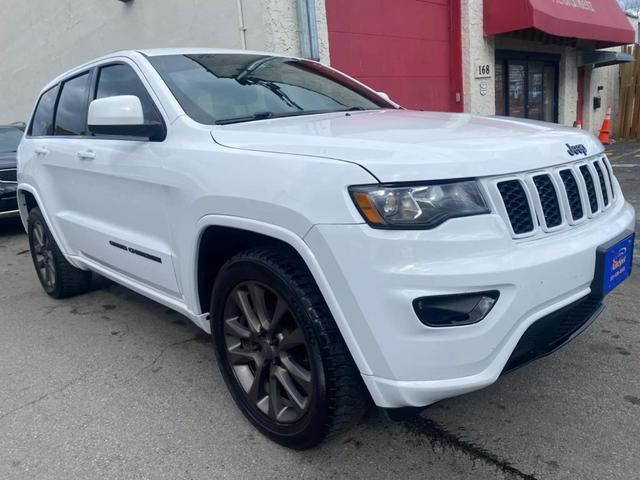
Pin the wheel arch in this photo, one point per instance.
(211, 230)
(28, 199)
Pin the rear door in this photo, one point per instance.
(112, 190)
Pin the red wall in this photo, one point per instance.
(409, 49)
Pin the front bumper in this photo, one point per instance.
(375, 275)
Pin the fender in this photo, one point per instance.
(307, 255)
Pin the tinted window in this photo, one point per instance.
(9, 139)
(117, 80)
(71, 115)
(223, 88)
(42, 124)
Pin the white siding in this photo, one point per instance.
(42, 38)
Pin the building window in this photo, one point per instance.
(527, 85)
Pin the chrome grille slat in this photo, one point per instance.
(548, 200)
(603, 187)
(591, 188)
(609, 175)
(573, 194)
(542, 202)
(517, 204)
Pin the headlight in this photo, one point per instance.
(418, 206)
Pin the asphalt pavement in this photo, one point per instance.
(110, 385)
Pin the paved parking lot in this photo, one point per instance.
(111, 385)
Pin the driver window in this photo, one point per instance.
(120, 79)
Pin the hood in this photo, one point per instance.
(7, 160)
(401, 145)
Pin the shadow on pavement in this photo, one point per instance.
(11, 226)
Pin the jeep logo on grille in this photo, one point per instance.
(574, 150)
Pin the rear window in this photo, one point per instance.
(71, 114)
(42, 123)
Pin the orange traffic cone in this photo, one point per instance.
(605, 131)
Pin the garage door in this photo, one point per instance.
(407, 48)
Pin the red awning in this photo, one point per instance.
(600, 22)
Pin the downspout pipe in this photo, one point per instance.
(242, 26)
(309, 47)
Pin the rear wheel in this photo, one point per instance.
(58, 277)
(280, 351)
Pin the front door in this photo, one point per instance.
(527, 85)
(112, 190)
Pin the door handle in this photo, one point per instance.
(86, 155)
(41, 151)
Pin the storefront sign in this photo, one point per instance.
(483, 70)
(582, 4)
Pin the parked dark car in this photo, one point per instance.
(10, 137)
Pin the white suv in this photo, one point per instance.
(339, 248)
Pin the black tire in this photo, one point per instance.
(337, 398)
(58, 277)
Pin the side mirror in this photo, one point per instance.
(122, 116)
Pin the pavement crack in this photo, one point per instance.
(159, 356)
(437, 434)
(44, 396)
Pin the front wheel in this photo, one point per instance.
(58, 277)
(280, 351)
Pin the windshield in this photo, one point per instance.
(230, 88)
(9, 139)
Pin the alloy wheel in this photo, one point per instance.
(267, 352)
(43, 255)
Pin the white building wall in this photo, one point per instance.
(281, 25)
(477, 50)
(42, 38)
(609, 78)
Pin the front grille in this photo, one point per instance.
(8, 175)
(573, 194)
(556, 198)
(548, 200)
(609, 177)
(591, 188)
(603, 187)
(517, 205)
(553, 331)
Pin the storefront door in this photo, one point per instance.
(527, 85)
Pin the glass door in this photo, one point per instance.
(550, 93)
(527, 85)
(517, 95)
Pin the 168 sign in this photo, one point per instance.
(483, 70)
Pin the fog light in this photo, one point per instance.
(455, 310)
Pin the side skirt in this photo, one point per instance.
(201, 320)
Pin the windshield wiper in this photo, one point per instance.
(268, 115)
(249, 118)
